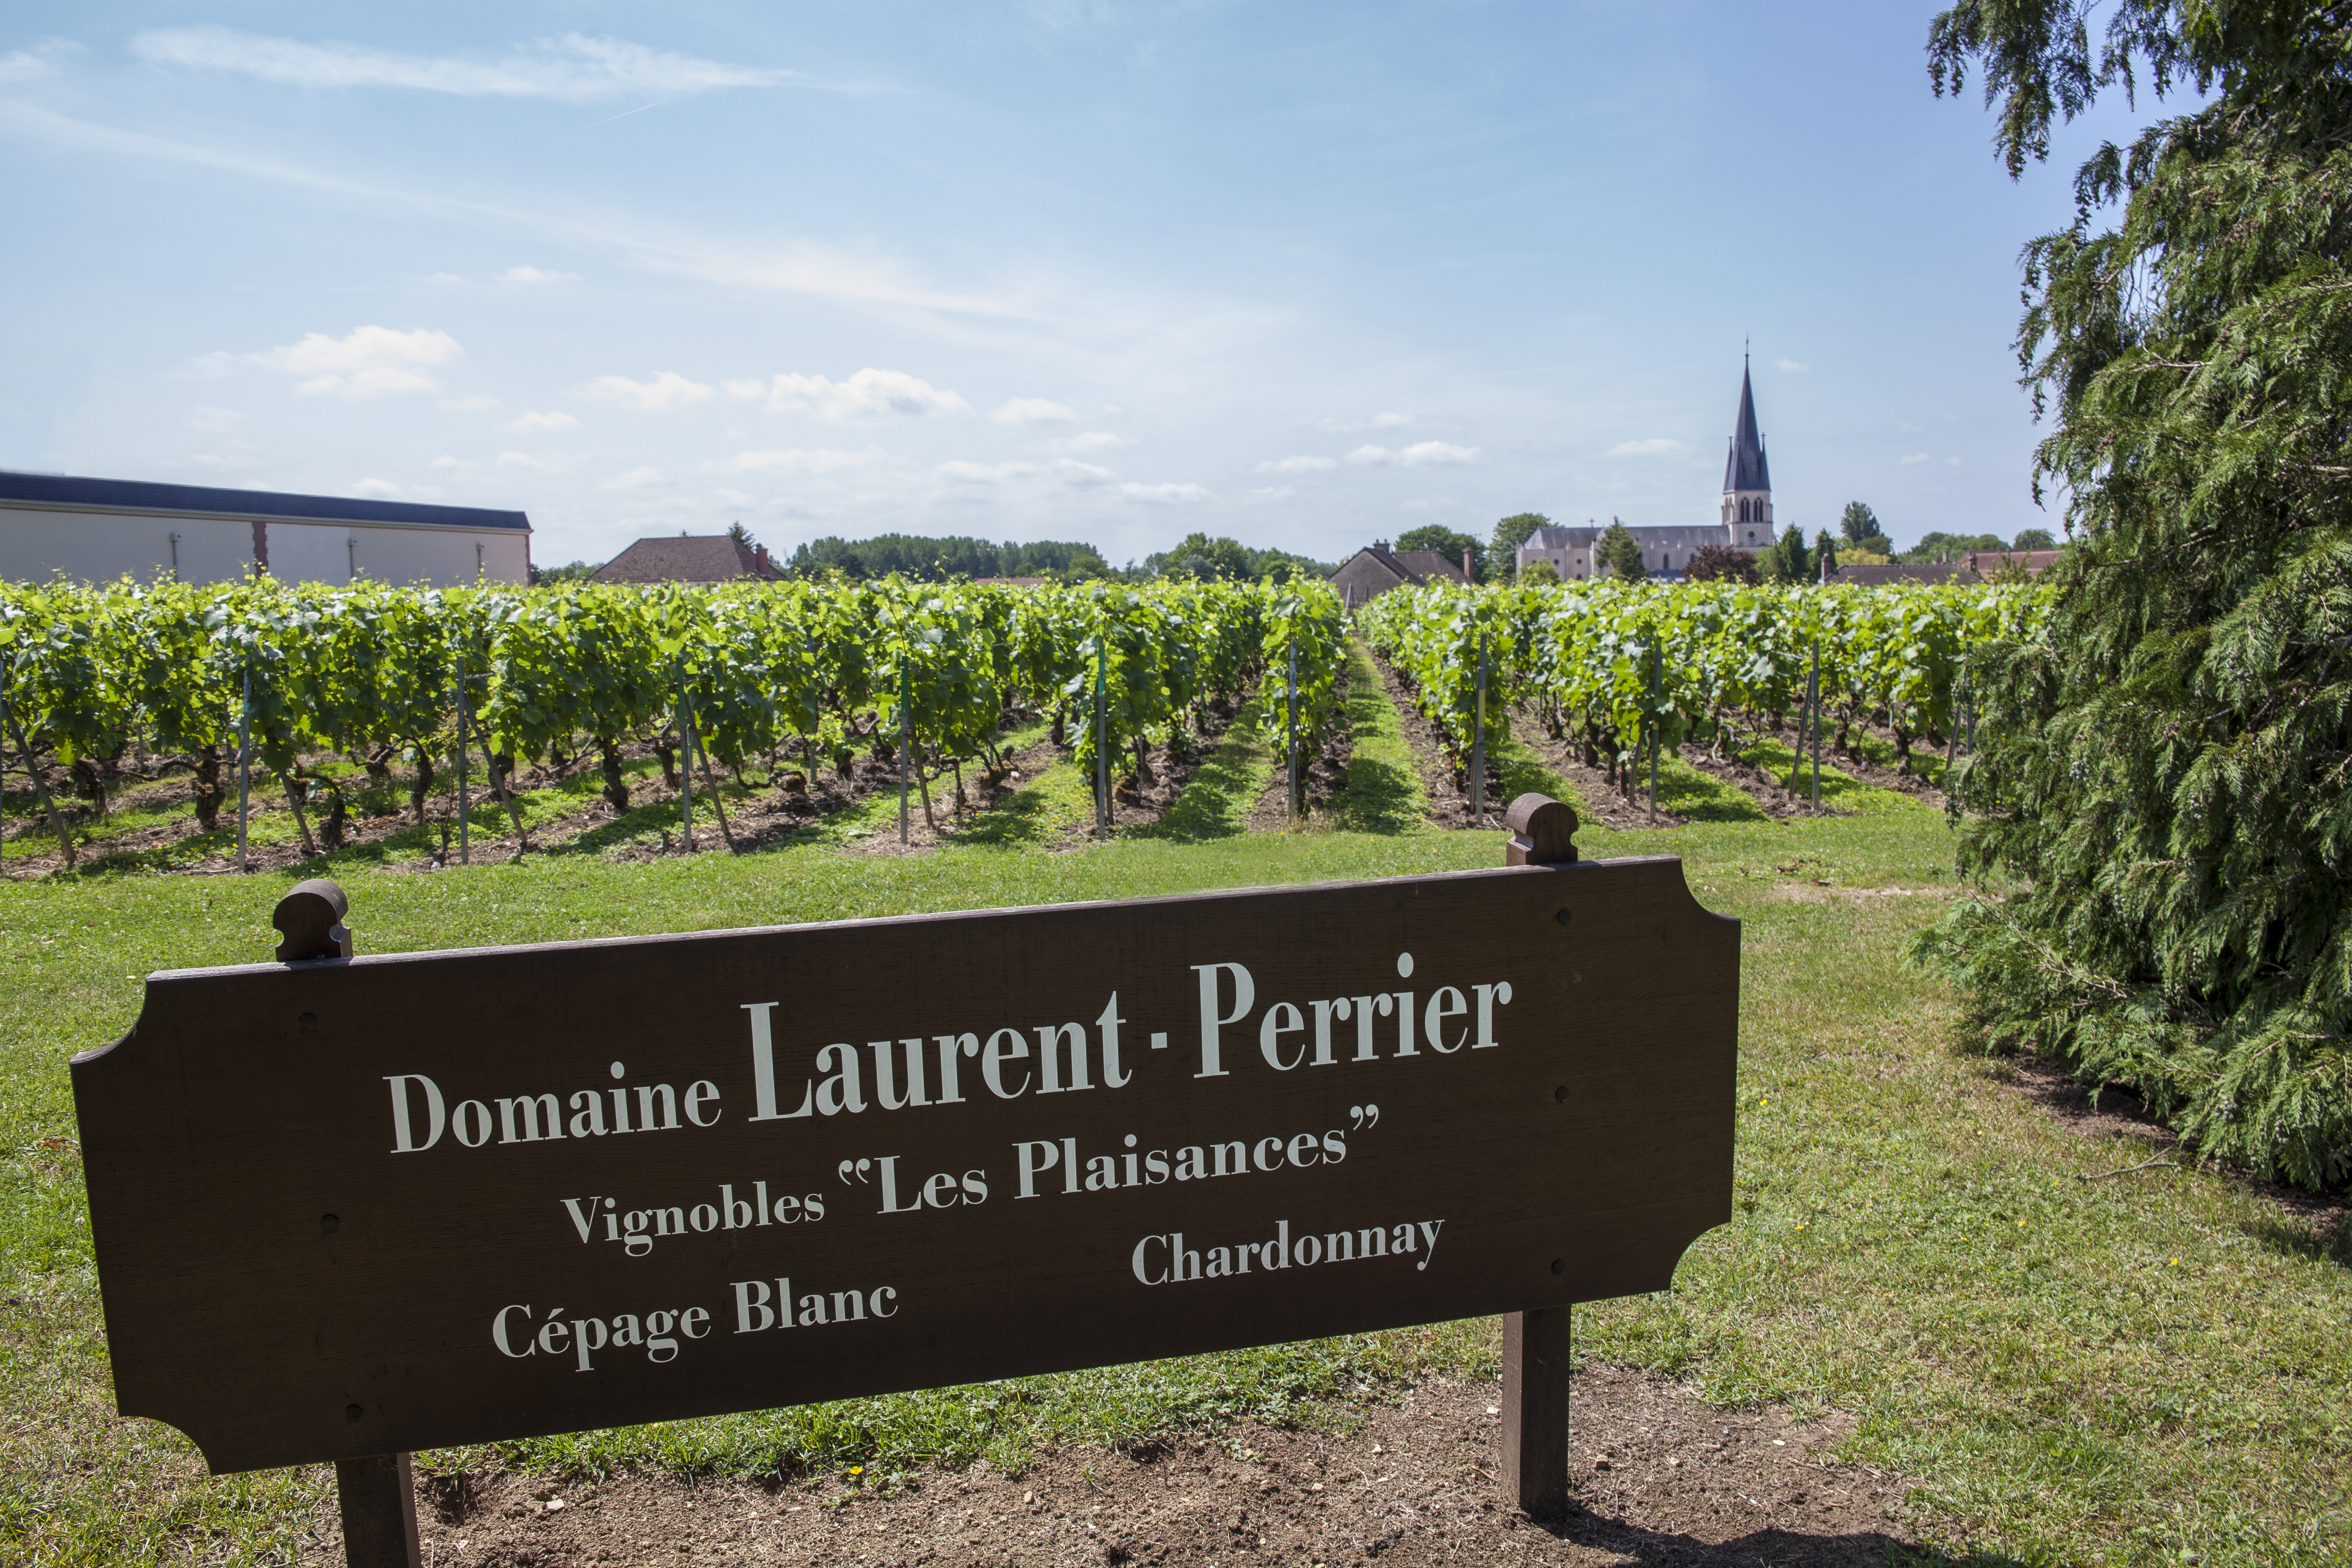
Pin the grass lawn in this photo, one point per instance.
(2119, 1370)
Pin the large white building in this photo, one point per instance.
(1745, 522)
(95, 530)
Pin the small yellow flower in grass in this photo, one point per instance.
(2176, 1263)
(860, 1470)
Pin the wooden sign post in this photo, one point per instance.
(337, 1218)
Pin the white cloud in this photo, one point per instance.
(446, 461)
(444, 278)
(1271, 492)
(473, 403)
(1091, 441)
(525, 460)
(1908, 428)
(213, 421)
(1338, 426)
(1647, 448)
(574, 69)
(1914, 458)
(557, 420)
(1301, 465)
(1071, 472)
(366, 362)
(985, 473)
(869, 391)
(375, 489)
(794, 460)
(536, 275)
(632, 479)
(23, 65)
(1420, 454)
(1162, 492)
(1953, 462)
(667, 389)
(1033, 411)
(1794, 367)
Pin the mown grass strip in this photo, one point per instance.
(1217, 800)
(1383, 793)
(1838, 789)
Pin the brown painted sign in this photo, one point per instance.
(368, 1206)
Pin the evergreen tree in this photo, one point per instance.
(1621, 552)
(1858, 523)
(2166, 774)
(1788, 561)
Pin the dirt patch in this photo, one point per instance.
(1657, 1479)
(1860, 769)
(1822, 891)
(1447, 787)
(1598, 800)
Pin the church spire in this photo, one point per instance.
(1745, 469)
(1746, 480)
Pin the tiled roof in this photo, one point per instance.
(688, 558)
(137, 495)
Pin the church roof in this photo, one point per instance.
(1745, 469)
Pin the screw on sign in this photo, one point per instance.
(654, 1178)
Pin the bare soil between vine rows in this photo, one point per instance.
(1449, 797)
(1656, 1477)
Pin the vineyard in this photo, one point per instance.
(319, 691)
(112, 685)
(1618, 668)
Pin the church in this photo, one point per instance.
(1744, 522)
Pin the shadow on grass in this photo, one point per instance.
(2293, 1238)
(1583, 1528)
(1839, 790)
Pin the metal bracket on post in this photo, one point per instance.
(377, 1499)
(1536, 1344)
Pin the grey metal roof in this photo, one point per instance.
(137, 495)
(1745, 469)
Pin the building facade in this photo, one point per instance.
(1375, 569)
(1744, 521)
(95, 530)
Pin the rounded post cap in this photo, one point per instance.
(1543, 830)
(311, 920)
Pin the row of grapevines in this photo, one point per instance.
(722, 676)
(1621, 663)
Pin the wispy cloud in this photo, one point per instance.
(25, 65)
(1270, 492)
(1794, 367)
(557, 420)
(1033, 411)
(667, 390)
(1420, 454)
(634, 478)
(1913, 458)
(536, 275)
(572, 69)
(1092, 441)
(1301, 465)
(1343, 425)
(525, 460)
(365, 362)
(868, 393)
(375, 489)
(1648, 447)
(1163, 493)
(794, 460)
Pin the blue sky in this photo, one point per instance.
(1306, 274)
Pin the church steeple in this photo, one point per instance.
(1747, 479)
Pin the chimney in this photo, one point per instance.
(1467, 577)
(760, 560)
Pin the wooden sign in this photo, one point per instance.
(359, 1206)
